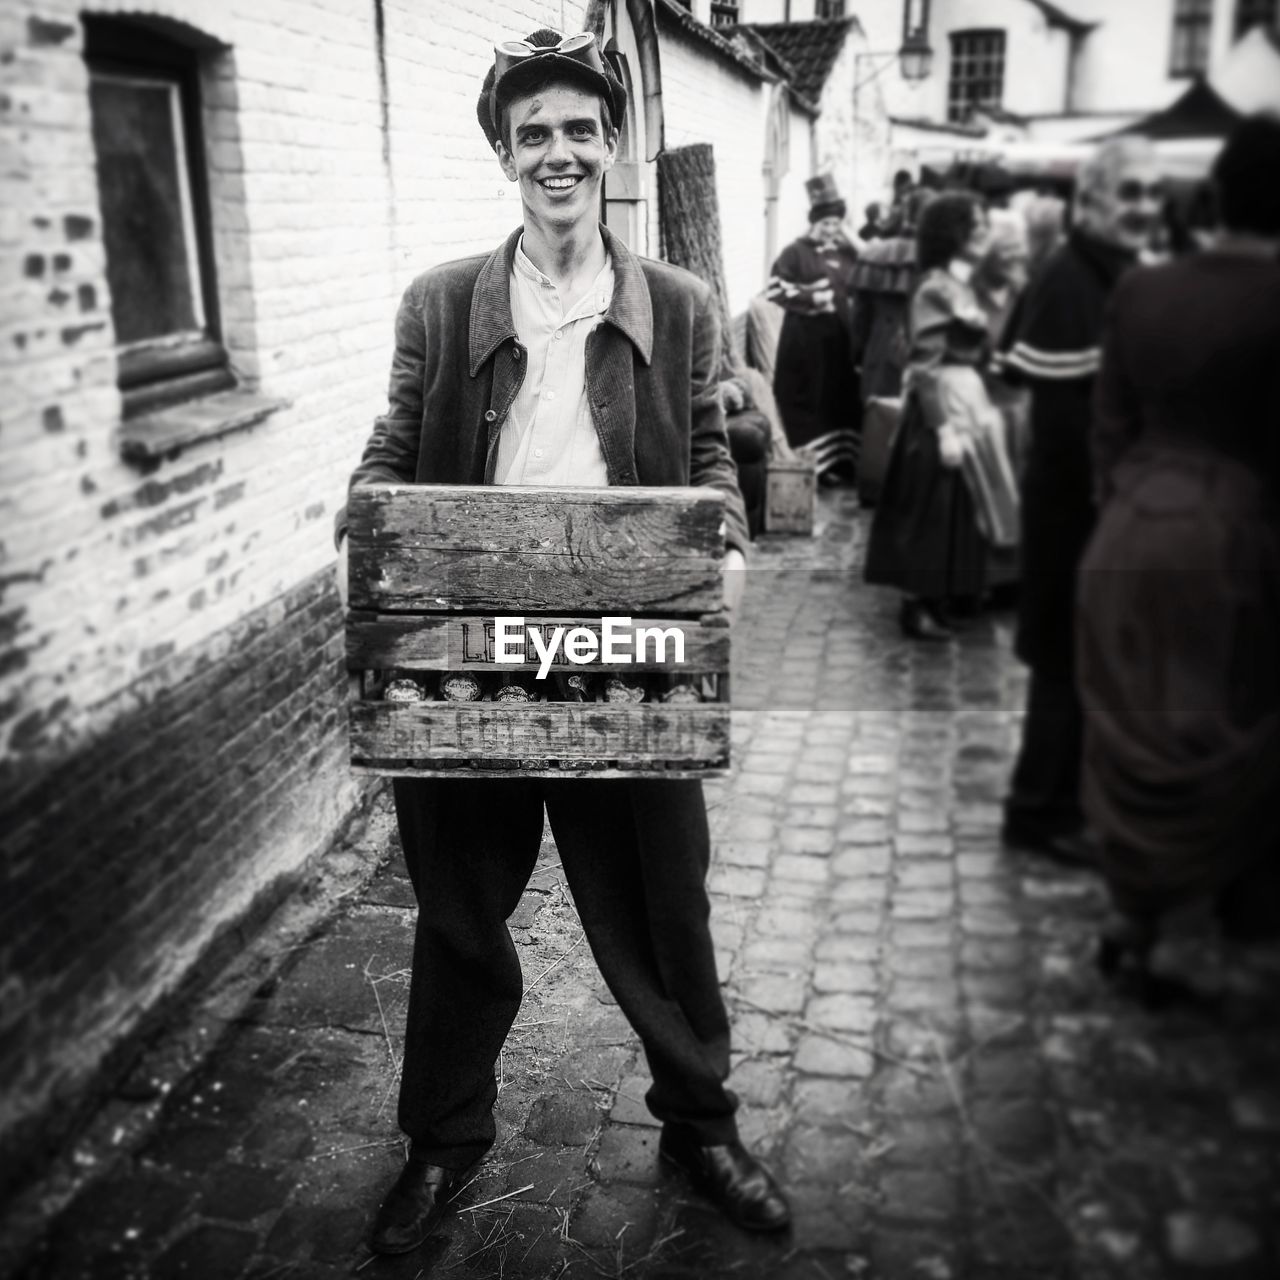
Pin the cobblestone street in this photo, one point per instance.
(923, 1048)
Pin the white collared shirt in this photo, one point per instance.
(549, 436)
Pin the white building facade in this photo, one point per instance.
(1051, 70)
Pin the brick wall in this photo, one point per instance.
(853, 138)
(708, 99)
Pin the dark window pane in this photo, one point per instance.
(146, 207)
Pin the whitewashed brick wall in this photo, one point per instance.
(313, 247)
(853, 138)
(709, 100)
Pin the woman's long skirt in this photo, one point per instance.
(817, 390)
(924, 536)
(1178, 664)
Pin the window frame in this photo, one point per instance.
(1250, 13)
(164, 370)
(1191, 19)
(957, 54)
(826, 10)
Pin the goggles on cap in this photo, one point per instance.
(581, 48)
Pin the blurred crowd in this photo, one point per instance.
(1068, 402)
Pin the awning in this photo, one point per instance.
(1201, 112)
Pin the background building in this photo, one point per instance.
(1029, 70)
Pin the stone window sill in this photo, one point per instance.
(154, 435)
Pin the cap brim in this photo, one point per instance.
(546, 68)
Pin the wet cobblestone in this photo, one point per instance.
(923, 1049)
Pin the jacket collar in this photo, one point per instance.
(631, 310)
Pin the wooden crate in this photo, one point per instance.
(432, 566)
(790, 496)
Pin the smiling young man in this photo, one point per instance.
(560, 358)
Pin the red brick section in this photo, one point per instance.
(127, 858)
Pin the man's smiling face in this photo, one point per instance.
(556, 148)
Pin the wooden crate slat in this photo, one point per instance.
(461, 548)
(453, 643)
(407, 769)
(661, 523)
(434, 731)
(408, 578)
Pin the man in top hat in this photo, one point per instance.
(541, 363)
(814, 380)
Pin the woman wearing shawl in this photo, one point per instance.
(950, 493)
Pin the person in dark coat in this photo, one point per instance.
(1179, 597)
(949, 492)
(814, 380)
(883, 281)
(1057, 351)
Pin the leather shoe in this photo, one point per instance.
(731, 1178)
(918, 622)
(413, 1207)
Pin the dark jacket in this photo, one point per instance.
(883, 282)
(652, 388)
(1057, 351)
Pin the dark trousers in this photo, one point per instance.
(635, 855)
(1044, 799)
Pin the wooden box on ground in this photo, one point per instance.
(432, 566)
(791, 496)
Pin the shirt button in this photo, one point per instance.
(490, 415)
(537, 453)
(516, 353)
(559, 335)
(548, 395)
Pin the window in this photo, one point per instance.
(829, 9)
(1256, 13)
(1189, 55)
(144, 100)
(724, 13)
(977, 73)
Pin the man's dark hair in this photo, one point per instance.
(946, 223)
(543, 38)
(1246, 176)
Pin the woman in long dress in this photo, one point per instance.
(950, 493)
(814, 379)
(1178, 619)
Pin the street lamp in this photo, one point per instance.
(915, 58)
